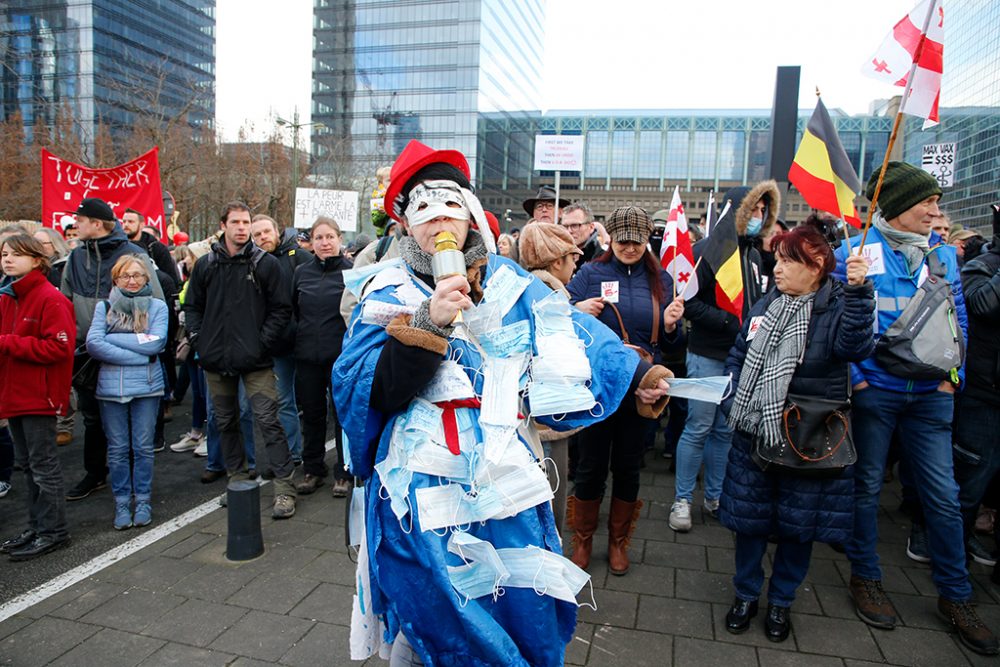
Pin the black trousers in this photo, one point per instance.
(95, 443)
(617, 442)
(312, 382)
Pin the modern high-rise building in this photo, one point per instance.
(386, 72)
(970, 112)
(106, 60)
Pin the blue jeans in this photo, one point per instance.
(977, 454)
(706, 436)
(924, 423)
(130, 427)
(288, 409)
(791, 563)
(216, 462)
(199, 395)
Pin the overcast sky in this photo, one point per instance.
(646, 54)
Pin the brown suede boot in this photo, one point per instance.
(581, 516)
(621, 525)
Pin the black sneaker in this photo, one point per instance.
(916, 545)
(975, 550)
(159, 447)
(86, 487)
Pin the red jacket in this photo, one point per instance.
(37, 335)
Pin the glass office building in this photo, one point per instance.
(386, 72)
(106, 60)
(638, 157)
(970, 112)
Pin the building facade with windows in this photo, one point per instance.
(107, 60)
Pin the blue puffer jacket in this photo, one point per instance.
(129, 365)
(801, 509)
(894, 287)
(635, 301)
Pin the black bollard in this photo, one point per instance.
(245, 540)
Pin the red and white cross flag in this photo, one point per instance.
(676, 256)
(914, 48)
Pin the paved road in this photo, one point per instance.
(176, 489)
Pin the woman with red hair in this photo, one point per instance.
(798, 339)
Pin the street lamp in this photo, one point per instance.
(296, 126)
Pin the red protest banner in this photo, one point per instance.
(135, 185)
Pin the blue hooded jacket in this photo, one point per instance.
(410, 585)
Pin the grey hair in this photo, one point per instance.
(588, 215)
(58, 242)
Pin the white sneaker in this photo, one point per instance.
(4, 489)
(202, 448)
(680, 515)
(187, 443)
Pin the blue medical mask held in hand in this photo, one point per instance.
(754, 226)
(710, 390)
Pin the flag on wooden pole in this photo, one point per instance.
(912, 56)
(676, 255)
(822, 172)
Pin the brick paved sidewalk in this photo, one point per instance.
(179, 602)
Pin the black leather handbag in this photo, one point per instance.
(816, 439)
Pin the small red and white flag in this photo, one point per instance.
(676, 256)
(916, 43)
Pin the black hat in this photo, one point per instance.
(545, 193)
(92, 207)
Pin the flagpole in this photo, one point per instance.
(895, 125)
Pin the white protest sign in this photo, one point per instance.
(558, 152)
(341, 205)
(939, 161)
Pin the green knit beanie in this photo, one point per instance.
(904, 186)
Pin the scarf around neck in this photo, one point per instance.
(129, 309)
(913, 246)
(772, 357)
(420, 261)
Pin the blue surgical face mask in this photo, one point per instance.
(558, 399)
(754, 226)
(709, 389)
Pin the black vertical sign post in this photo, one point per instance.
(784, 121)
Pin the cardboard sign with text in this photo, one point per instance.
(341, 205)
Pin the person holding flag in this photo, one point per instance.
(729, 278)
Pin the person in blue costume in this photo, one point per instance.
(460, 560)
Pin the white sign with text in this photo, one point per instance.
(341, 205)
(558, 152)
(939, 161)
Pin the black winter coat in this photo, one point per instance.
(801, 509)
(290, 257)
(317, 289)
(236, 310)
(981, 285)
(635, 301)
(159, 253)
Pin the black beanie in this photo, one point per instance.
(903, 187)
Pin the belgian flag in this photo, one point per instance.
(722, 253)
(822, 172)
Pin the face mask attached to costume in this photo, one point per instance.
(708, 389)
(754, 226)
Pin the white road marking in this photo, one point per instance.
(122, 551)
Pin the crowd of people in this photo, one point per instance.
(480, 386)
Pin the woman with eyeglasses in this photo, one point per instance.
(56, 249)
(129, 330)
